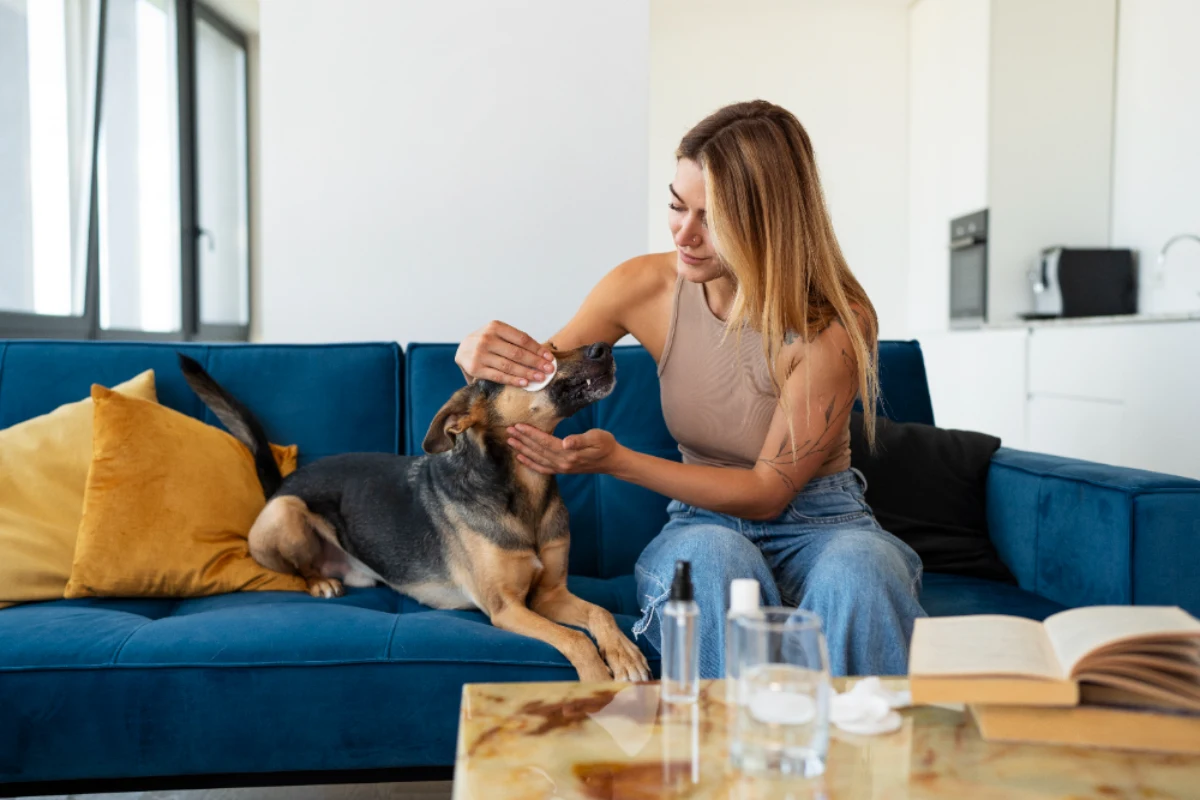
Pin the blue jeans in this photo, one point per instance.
(826, 553)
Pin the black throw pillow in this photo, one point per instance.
(928, 487)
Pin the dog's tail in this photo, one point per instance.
(244, 426)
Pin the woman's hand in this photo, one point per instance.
(501, 353)
(590, 452)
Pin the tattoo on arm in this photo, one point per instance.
(783, 476)
(787, 456)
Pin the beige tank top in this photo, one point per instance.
(717, 396)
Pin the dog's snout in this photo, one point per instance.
(599, 351)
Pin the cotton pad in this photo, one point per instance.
(537, 386)
(874, 686)
(868, 709)
(888, 723)
(782, 708)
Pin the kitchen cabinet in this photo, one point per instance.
(1077, 428)
(1079, 362)
(977, 381)
(1010, 108)
(1123, 393)
(947, 142)
(1150, 371)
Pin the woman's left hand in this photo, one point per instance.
(590, 452)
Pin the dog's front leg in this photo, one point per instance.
(501, 580)
(552, 600)
(511, 614)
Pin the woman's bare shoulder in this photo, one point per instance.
(652, 273)
(828, 354)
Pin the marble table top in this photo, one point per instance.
(617, 741)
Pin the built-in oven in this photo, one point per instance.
(968, 270)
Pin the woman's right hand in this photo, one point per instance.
(501, 353)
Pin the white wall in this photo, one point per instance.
(948, 143)
(1156, 180)
(430, 166)
(841, 68)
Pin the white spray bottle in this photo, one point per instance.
(743, 600)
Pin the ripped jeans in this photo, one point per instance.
(826, 553)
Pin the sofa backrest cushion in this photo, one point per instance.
(325, 398)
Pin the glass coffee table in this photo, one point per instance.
(617, 741)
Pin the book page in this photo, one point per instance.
(1096, 695)
(1077, 632)
(1136, 687)
(1182, 686)
(1186, 668)
(982, 645)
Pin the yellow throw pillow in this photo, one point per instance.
(43, 472)
(169, 503)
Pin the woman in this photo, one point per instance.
(763, 340)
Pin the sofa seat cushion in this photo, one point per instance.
(248, 682)
(945, 595)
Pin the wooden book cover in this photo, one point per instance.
(1148, 652)
(1091, 726)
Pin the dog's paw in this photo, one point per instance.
(325, 587)
(593, 673)
(626, 660)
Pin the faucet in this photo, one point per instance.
(1162, 254)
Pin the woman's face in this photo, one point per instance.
(696, 258)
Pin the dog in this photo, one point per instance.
(465, 526)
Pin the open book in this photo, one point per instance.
(1138, 655)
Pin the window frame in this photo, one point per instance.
(206, 330)
(28, 325)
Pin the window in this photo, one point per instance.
(137, 169)
(124, 207)
(48, 55)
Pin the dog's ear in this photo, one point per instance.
(454, 418)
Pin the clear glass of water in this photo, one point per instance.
(781, 725)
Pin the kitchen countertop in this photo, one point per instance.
(1122, 319)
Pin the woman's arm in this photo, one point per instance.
(626, 301)
(634, 299)
(762, 492)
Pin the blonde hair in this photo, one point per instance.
(771, 228)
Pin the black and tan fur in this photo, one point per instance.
(467, 526)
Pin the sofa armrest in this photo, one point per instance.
(1082, 533)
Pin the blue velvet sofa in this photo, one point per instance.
(263, 687)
